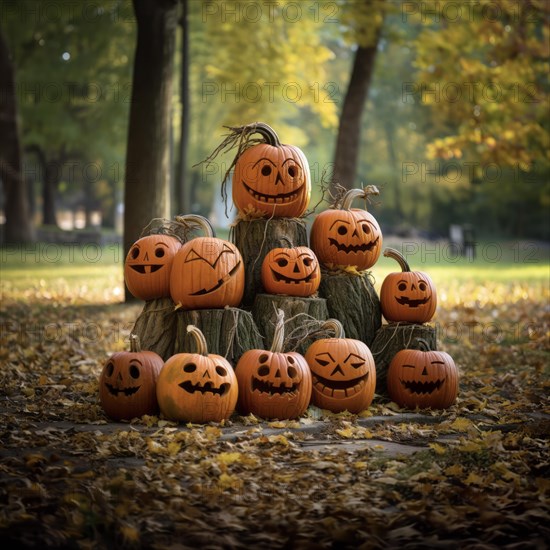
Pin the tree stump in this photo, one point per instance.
(298, 311)
(392, 338)
(352, 300)
(156, 327)
(229, 332)
(255, 238)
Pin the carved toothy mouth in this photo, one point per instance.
(280, 198)
(422, 388)
(404, 301)
(279, 277)
(353, 247)
(267, 387)
(209, 387)
(339, 388)
(125, 391)
(142, 268)
(220, 282)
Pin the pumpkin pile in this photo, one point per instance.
(271, 181)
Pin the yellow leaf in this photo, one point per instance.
(438, 449)
(454, 470)
(129, 533)
(347, 433)
(228, 458)
(226, 481)
(474, 479)
(211, 432)
(173, 448)
(461, 424)
(360, 465)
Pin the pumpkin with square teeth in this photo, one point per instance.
(408, 296)
(347, 236)
(207, 272)
(343, 371)
(273, 384)
(127, 384)
(197, 387)
(423, 378)
(291, 271)
(148, 265)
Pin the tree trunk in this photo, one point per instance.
(349, 131)
(18, 227)
(390, 138)
(147, 188)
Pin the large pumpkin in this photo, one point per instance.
(343, 371)
(197, 387)
(271, 179)
(347, 236)
(207, 272)
(291, 271)
(148, 265)
(408, 296)
(127, 384)
(273, 384)
(423, 378)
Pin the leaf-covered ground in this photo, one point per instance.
(475, 476)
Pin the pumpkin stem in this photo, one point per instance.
(423, 344)
(135, 344)
(266, 131)
(288, 242)
(398, 257)
(279, 334)
(336, 326)
(353, 194)
(200, 340)
(201, 221)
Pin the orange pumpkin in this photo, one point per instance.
(423, 378)
(197, 387)
(291, 271)
(127, 384)
(408, 296)
(273, 384)
(148, 265)
(343, 371)
(347, 236)
(271, 179)
(207, 272)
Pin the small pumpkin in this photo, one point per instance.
(270, 178)
(292, 271)
(273, 384)
(197, 387)
(207, 272)
(127, 384)
(347, 237)
(408, 296)
(343, 371)
(423, 378)
(148, 265)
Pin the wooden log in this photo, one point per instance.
(255, 238)
(156, 327)
(394, 337)
(229, 332)
(298, 311)
(352, 299)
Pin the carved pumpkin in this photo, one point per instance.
(197, 387)
(127, 384)
(423, 378)
(347, 236)
(273, 384)
(291, 271)
(408, 296)
(207, 272)
(343, 372)
(271, 179)
(148, 265)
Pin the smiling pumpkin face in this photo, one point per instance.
(148, 265)
(291, 272)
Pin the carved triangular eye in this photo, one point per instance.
(192, 255)
(322, 362)
(226, 248)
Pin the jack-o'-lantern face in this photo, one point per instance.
(291, 271)
(273, 385)
(271, 179)
(148, 265)
(424, 379)
(127, 385)
(344, 375)
(207, 273)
